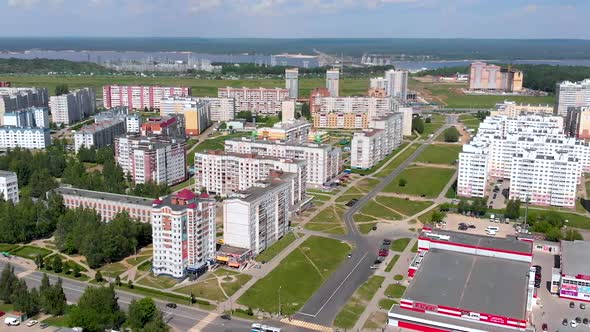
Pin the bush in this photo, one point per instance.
(402, 182)
(451, 135)
(203, 302)
(130, 284)
(248, 312)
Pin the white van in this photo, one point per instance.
(493, 228)
(11, 321)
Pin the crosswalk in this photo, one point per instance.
(204, 322)
(306, 325)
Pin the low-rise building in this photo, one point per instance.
(9, 186)
(183, 233)
(24, 137)
(370, 146)
(99, 135)
(324, 161)
(107, 205)
(257, 217)
(295, 131)
(574, 276)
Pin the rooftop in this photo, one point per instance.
(181, 200)
(263, 187)
(95, 127)
(261, 141)
(7, 173)
(575, 258)
(471, 282)
(126, 199)
(509, 243)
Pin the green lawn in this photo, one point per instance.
(217, 143)
(329, 214)
(398, 161)
(137, 260)
(59, 321)
(160, 282)
(112, 270)
(440, 154)
(363, 218)
(404, 206)
(574, 220)
(331, 228)
(30, 252)
(400, 245)
(347, 197)
(188, 183)
(430, 128)
(298, 276)
(426, 181)
(470, 121)
(5, 247)
(382, 162)
(395, 291)
(415, 247)
(352, 310)
(398, 277)
(210, 287)
(366, 228)
(386, 303)
(276, 248)
(389, 266)
(372, 208)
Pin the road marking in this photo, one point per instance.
(204, 322)
(337, 288)
(307, 325)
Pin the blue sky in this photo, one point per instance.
(297, 18)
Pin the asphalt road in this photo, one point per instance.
(326, 302)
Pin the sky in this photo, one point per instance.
(297, 18)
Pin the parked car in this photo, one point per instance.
(43, 325)
(387, 242)
(374, 266)
(582, 306)
(463, 228)
(585, 321)
(349, 255)
(226, 317)
(11, 321)
(578, 320)
(573, 324)
(544, 327)
(572, 305)
(32, 323)
(171, 305)
(538, 268)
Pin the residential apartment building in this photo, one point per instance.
(370, 146)
(224, 173)
(221, 109)
(314, 96)
(571, 94)
(379, 83)
(397, 83)
(14, 99)
(333, 81)
(262, 101)
(292, 82)
(37, 117)
(295, 131)
(376, 92)
(513, 109)
(107, 205)
(350, 112)
(257, 217)
(140, 97)
(472, 178)
(9, 186)
(324, 162)
(195, 113)
(183, 234)
(407, 114)
(133, 123)
(24, 137)
(167, 125)
(73, 106)
(494, 78)
(99, 135)
(152, 159)
(577, 122)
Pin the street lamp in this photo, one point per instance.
(526, 210)
(280, 300)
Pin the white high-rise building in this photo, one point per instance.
(256, 218)
(379, 83)
(397, 83)
(370, 146)
(292, 82)
(74, 106)
(324, 161)
(408, 113)
(224, 173)
(333, 81)
(572, 94)
(36, 117)
(24, 137)
(9, 186)
(133, 123)
(183, 234)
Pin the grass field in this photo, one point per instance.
(395, 291)
(210, 288)
(427, 181)
(366, 228)
(389, 266)
(402, 205)
(398, 161)
(439, 154)
(30, 252)
(217, 143)
(112, 270)
(298, 276)
(160, 282)
(470, 121)
(352, 310)
(430, 128)
(200, 87)
(400, 245)
(373, 208)
(386, 303)
(276, 248)
(382, 162)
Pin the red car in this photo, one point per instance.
(544, 327)
(383, 253)
(2, 313)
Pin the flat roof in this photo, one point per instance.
(510, 243)
(575, 257)
(471, 282)
(231, 250)
(7, 173)
(262, 187)
(105, 196)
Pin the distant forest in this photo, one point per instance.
(536, 77)
(437, 49)
(44, 66)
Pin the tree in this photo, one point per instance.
(428, 120)
(512, 209)
(572, 235)
(57, 264)
(157, 324)
(402, 182)
(463, 206)
(141, 312)
(76, 271)
(437, 216)
(222, 126)
(53, 299)
(118, 280)
(444, 207)
(61, 89)
(23, 300)
(451, 134)
(97, 310)
(553, 234)
(7, 282)
(418, 124)
(39, 261)
(98, 277)
(305, 112)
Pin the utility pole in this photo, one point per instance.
(280, 300)
(526, 211)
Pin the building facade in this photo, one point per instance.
(292, 82)
(324, 161)
(183, 233)
(133, 123)
(333, 81)
(513, 109)
(99, 135)
(494, 78)
(24, 137)
(350, 112)
(295, 132)
(577, 122)
(256, 218)
(73, 106)
(14, 99)
(152, 159)
(571, 94)
(37, 117)
(397, 83)
(195, 113)
(140, 97)
(9, 186)
(107, 205)
(370, 146)
(262, 101)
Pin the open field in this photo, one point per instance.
(398, 161)
(402, 205)
(200, 87)
(352, 310)
(400, 245)
(450, 95)
(217, 285)
(298, 276)
(430, 128)
(377, 210)
(421, 181)
(328, 220)
(160, 282)
(439, 154)
(469, 121)
(276, 248)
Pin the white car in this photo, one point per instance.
(32, 323)
(573, 323)
(11, 321)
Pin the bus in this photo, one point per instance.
(263, 328)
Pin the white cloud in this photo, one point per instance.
(199, 6)
(22, 3)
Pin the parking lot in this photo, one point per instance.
(551, 309)
(454, 219)
(498, 194)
